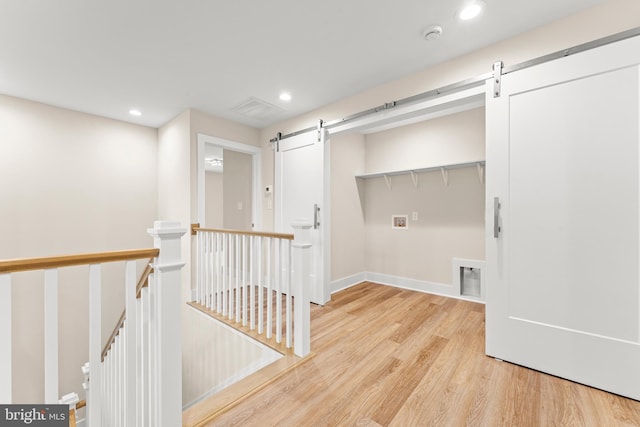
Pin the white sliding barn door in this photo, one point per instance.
(563, 273)
(302, 193)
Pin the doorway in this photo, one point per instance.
(229, 182)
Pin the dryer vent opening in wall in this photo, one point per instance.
(467, 278)
(470, 282)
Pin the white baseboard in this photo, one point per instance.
(347, 282)
(401, 282)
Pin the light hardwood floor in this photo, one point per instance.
(392, 357)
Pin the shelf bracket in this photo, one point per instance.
(388, 181)
(414, 178)
(480, 172)
(445, 176)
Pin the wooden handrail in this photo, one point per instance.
(142, 283)
(11, 266)
(26, 264)
(195, 228)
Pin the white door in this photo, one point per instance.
(563, 293)
(302, 193)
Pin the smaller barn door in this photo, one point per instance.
(302, 193)
(563, 218)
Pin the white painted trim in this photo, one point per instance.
(406, 283)
(256, 154)
(347, 282)
(406, 114)
(418, 285)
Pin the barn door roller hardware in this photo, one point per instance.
(497, 78)
(498, 71)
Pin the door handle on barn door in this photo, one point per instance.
(496, 217)
(316, 216)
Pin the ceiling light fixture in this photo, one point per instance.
(471, 10)
(285, 96)
(135, 112)
(214, 161)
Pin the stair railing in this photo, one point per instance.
(142, 386)
(258, 282)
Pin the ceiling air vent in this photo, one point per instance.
(258, 109)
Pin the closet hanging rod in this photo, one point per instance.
(472, 82)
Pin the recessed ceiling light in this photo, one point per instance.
(471, 10)
(285, 96)
(135, 112)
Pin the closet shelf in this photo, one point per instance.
(444, 169)
(419, 170)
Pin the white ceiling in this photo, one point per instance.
(163, 56)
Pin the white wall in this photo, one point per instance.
(347, 215)
(174, 169)
(456, 138)
(608, 18)
(450, 224)
(177, 197)
(237, 190)
(450, 217)
(69, 183)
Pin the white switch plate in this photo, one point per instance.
(414, 216)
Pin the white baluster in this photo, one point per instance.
(289, 296)
(210, 267)
(203, 272)
(115, 383)
(200, 268)
(269, 293)
(238, 264)
(145, 360)
(231, 285)
(301, 262)
(260, 283)
(5, 338)
(94, 415)
(279, 291)
(152, 354)
(105, 375)
(122, 381)
(244, 280)
(225, 274)
(130, 373)
(218, 267)
(51, 336)
(138, 354)
(252, 283)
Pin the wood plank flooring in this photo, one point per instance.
(392, 357)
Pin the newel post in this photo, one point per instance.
(301, 253)
(167, 271)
